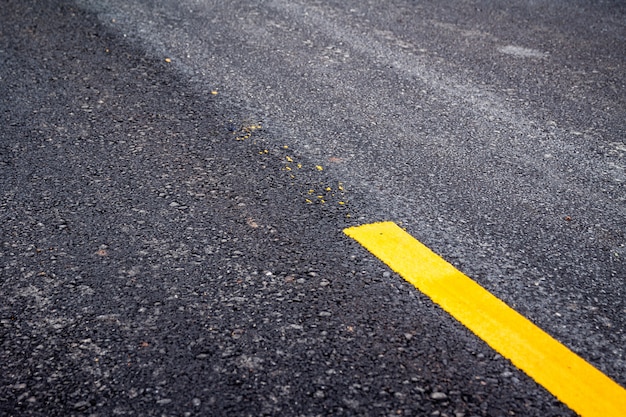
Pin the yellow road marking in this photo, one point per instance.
(567, 376)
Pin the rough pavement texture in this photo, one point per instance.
(153, 264)
(493, 131)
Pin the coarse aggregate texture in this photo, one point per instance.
(493, 131)
(171, 251)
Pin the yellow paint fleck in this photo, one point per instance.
(328, 189)
(341, 203)
(285, 147)
(288, 168)
(340, 187)
(214, 92)
(288, 158)
(319, 167)
(168, 60)
(308, 201)
(311, 191)
(299, 165)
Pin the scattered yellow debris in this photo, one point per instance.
(319, 168)
(289, 159)
(214, 92)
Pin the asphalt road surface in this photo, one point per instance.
(175, 177)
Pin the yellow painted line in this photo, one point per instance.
(566, 375)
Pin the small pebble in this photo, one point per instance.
(438, 396)
(81, 405)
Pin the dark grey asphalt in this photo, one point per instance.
(153, 264)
